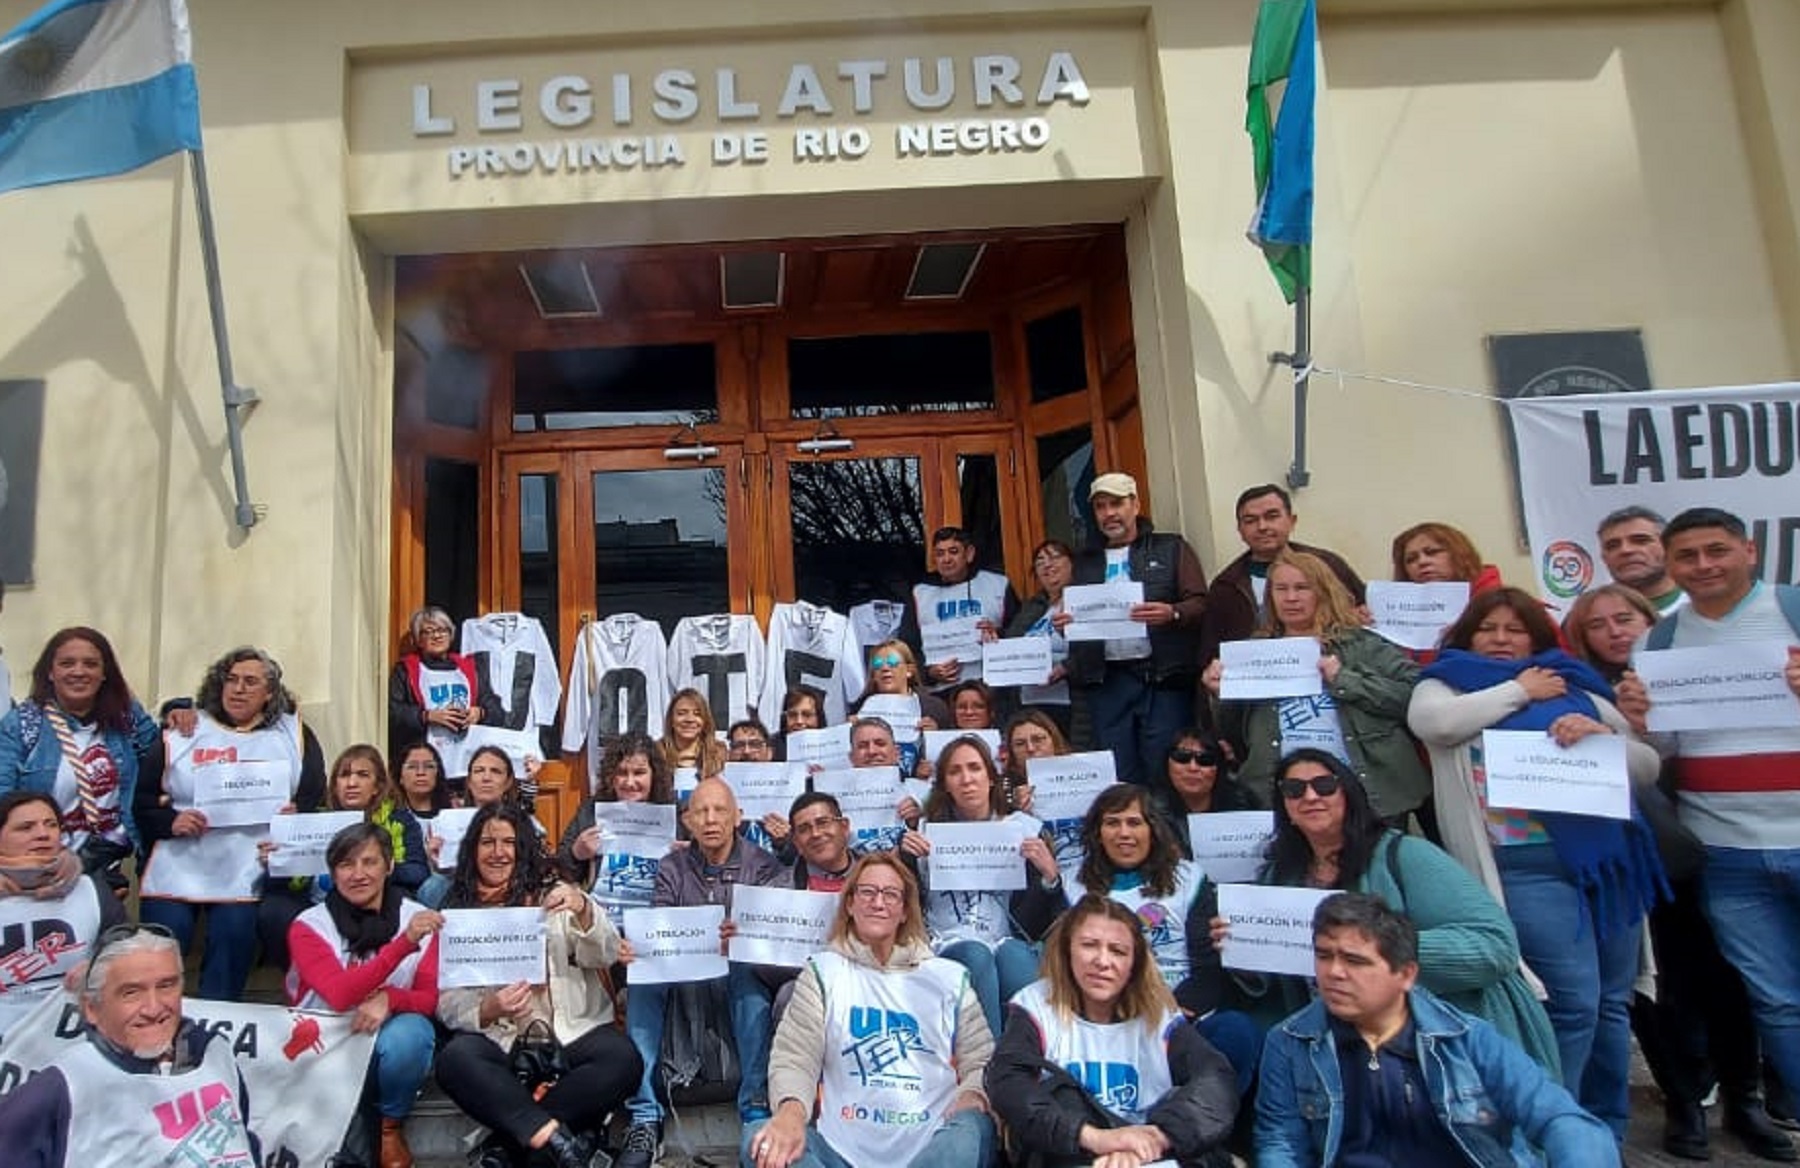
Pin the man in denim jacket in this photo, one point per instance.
(1378, 1072)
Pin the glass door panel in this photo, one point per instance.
(857, 522)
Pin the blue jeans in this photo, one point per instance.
(403, 1050)
(1138, 722)
(1235, 1035)
(230, 940)
(647, 1008)
(965, 1140)
(1588, 978)
(1753, 898)
(431, 894)
(996, 974)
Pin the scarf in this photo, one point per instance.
(1612, 862)
(365, 930)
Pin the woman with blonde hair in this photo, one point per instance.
(1166, 1094)
(894, 671)
(690, 736)
(877, 1026)
(1359, 715)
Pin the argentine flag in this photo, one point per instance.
(90, 88)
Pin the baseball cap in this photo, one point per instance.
(1116, 483)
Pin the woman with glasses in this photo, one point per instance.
(245, 726)
(632, 770)
(802, 708)
(423, 789)
(501, 866)
(1053, 567)
(1166, 1094)
(894, 671)
(1327, 835)
(877, 1028)
(1198, 781)
(435, 692)
(1029, 734)
(367, 950)
(971, 706)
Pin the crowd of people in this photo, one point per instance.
(1478, 969)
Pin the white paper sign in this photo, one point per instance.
(450, 826)
(957, 639)
(491, 946)
(1718, 687)
(676, 944)
(1414, 616)
(828, 746)
(765, 787)
(247, 794)
(1228, 845)
(1102, 612)
(686, 779)
(870, 799)
(1063, 786)
(936, 740)
(1016, 661)
(975, 857)
(900, 711)
(779, 926)
(300, 841)
(1271, 928)
(1269, 667)
(1528, 770)
(636, 829)
(221, 864)
(516, 744)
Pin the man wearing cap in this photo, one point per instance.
(1140, 690)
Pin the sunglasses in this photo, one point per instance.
(112, 937)
(887, 661)
(1325, 786)
(1193, 757)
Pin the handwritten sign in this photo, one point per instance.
(1229, 845)
(957, 639)
(975, 857)
(676, 944)
(900, 711)
(1414, 616)
(765, 787)
(635, 829)
(937, 740)
(828, 746)
(1102, 612)
(1271, 667)
(300, 841)
(1718, 687)
(491, 947)
(1271, 928)
(1016, 661)
(870, 799)
(247, 794)
(779, 926)
(1063, 786)
(450, 826)
(1528, 770)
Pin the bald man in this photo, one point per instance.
(702, 873)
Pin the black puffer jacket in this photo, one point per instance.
(1171, 574)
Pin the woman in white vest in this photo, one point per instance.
(245, 755)
(50, 912)
(1097, 1065)
(368, 949)
(887, 1039)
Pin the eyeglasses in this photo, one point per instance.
(747, 744)
(870, 894)
(1324, 786)
(887, 661)
(246, 680)
(112, 937)
(814, 827)
(1193, 757)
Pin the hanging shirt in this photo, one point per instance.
(617, 684)
(1123, 1065)
(1311, 721)
(811, 645)
(876, 621)
(721, 656)
(40, 941)
(982, 596)
(1118, 567)
(511, 649)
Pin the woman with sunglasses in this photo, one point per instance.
(367, 950)
(893, 670)
(1198, 781)
(1577, 886)
(877, 1027)
(435, 692)
(1053, 567)
(1327, 835)
(1169, 1095)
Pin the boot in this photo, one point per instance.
(1746, 1119)
(567, 1149)
(1684, 1130)
(394, 1152)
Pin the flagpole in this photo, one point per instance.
(1301, 360)
(238, 401)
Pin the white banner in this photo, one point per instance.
(675, 944)
(300, 841)
(1528, 770)
(635, 829)
(1271, 928)
(491, 946)
(764, 787)
(957, 639)
(246, 795)
(1063, 786)
(450, 826)
(975, 857)
(303, 1072)
(1269, 667)
(1229, 845)
(1585, 456)
(828, 746)
(1016, 661)
(1414, 616)
(1102, 612)
(1739, 686)
(779, 926)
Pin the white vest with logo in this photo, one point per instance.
(40, 940)
(1123, 1065)
(1164, 918)
(318, 919)
(890, 1038)
(982, 597)
(191, 1120)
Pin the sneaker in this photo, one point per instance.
(643, 1144)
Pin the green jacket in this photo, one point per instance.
(1373, 686)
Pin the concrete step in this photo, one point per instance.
(441, 1136)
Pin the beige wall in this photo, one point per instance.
(1551, 167)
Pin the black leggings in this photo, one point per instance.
(604, 1069)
